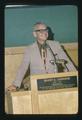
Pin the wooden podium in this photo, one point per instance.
(49, 101)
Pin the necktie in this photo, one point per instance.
(43, 52)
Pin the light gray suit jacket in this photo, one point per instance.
(32, 57)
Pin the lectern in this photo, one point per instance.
(50, 94)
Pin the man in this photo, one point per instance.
(41, 63)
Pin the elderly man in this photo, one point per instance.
(42, 56)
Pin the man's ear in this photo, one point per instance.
(34, 34)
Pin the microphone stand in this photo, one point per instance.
(60, 63)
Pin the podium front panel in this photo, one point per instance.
(63, 101)
(60, 99)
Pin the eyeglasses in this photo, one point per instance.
(42, 30)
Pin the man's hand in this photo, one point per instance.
(11, 88)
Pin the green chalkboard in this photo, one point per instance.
(62, 19)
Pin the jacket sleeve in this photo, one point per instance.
(22, 69)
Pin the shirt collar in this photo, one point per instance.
(41, 45)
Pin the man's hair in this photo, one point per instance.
(38, 23)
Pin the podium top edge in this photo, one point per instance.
(62, 74)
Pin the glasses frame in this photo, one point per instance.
(41, 30)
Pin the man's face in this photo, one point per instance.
(41, 33)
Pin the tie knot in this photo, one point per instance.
(44, 46)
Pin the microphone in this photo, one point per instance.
(60, 61)
(61, 64)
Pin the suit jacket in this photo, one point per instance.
(32, 57)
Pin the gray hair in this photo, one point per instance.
(38, 23)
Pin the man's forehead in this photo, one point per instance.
(40, 26)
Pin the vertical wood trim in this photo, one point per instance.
(9, 102)
(34, 96)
